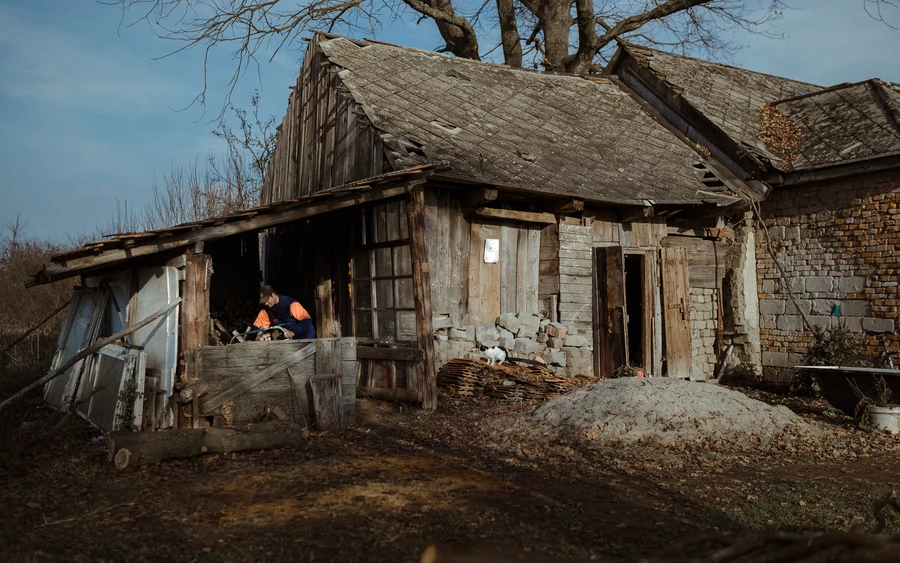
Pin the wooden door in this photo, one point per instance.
(609, 310)
(676, 312)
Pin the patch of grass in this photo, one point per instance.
(806, 507)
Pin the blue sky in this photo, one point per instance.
(87, 115)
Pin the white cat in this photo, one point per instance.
(495, 355)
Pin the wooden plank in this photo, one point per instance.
(509, 242)
(512, 215)
(575, 288)
(527, 270)
(396, 354)
(574, 280)
(458, 292)
(574, 254)
(326, 392)
(415, 211)
(676, 312)
(611, 338)
(195, 308)
(484, 279)
(328, 355)
(326, 322)
(256, 379)
(570, 297)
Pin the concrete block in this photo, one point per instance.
(851, 284)
(542, 337)
(872, 323)
(798, 285)
(487, 335)
(769, 322)
(792, 233)
(504, 333)
(772, 306)
(509, 321)
(822, 306)
(576, 340)
(461, 334)
(853, 324)
(529, 325)
(821, 321)
(526, 346)
(442, 337)
(508, 342)
(555, 342)
(579, 361)
(768, 286)
(556, 358)
(819, 284)
(776, 359)
(791, 309)
(544, 323)
(856, 308)
(790, 322)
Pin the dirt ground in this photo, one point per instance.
(399, 481)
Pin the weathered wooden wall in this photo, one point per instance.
(245, 378)
(463, 286)
(324, 139)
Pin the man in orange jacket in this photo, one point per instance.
(283, 311)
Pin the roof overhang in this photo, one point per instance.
(104, 255)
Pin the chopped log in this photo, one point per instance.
(134, 449)
(326, 390)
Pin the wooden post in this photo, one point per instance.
(195, 310)
(325, 325)
(418, 249)
(326, 391)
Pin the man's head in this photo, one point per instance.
(267, 296)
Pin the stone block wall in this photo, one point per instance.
(837, 243)
(704, 317)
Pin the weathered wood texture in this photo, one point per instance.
(448, 253)
(705, 259)
(610, 336)
(418, 249)
(324, 139)
(576, 283)
(195, 308)
(676, 312)
(326, 392)
(548, 264)
(248, 377)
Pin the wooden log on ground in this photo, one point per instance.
(134, 449)
(326, 390)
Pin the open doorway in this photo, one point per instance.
(635, 290)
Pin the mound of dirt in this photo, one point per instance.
(662, 410)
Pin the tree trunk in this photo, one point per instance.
(134, 449)
(556, 21)
(509, 33)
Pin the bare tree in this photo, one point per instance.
(557, 35)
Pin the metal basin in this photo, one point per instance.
(836, 382)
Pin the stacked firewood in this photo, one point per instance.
(229, 316)
(472, 378)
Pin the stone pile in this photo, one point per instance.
(523, 336)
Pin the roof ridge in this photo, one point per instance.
(834, 88)
(887, 103)
(627, 46)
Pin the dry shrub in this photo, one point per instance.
(20, 258)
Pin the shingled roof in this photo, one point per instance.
(728, 96)
(540, 133)
(846, 123)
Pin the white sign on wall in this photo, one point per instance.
(491, 251)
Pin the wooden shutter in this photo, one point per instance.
(609, 310)
(676, 311)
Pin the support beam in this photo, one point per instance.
(512, 215)
(571, 206)
(195, 309)
(418, 249)
(480, 197)
(635, 213)
(63, 268)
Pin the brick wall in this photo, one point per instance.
(836, 243)
(703, 330)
